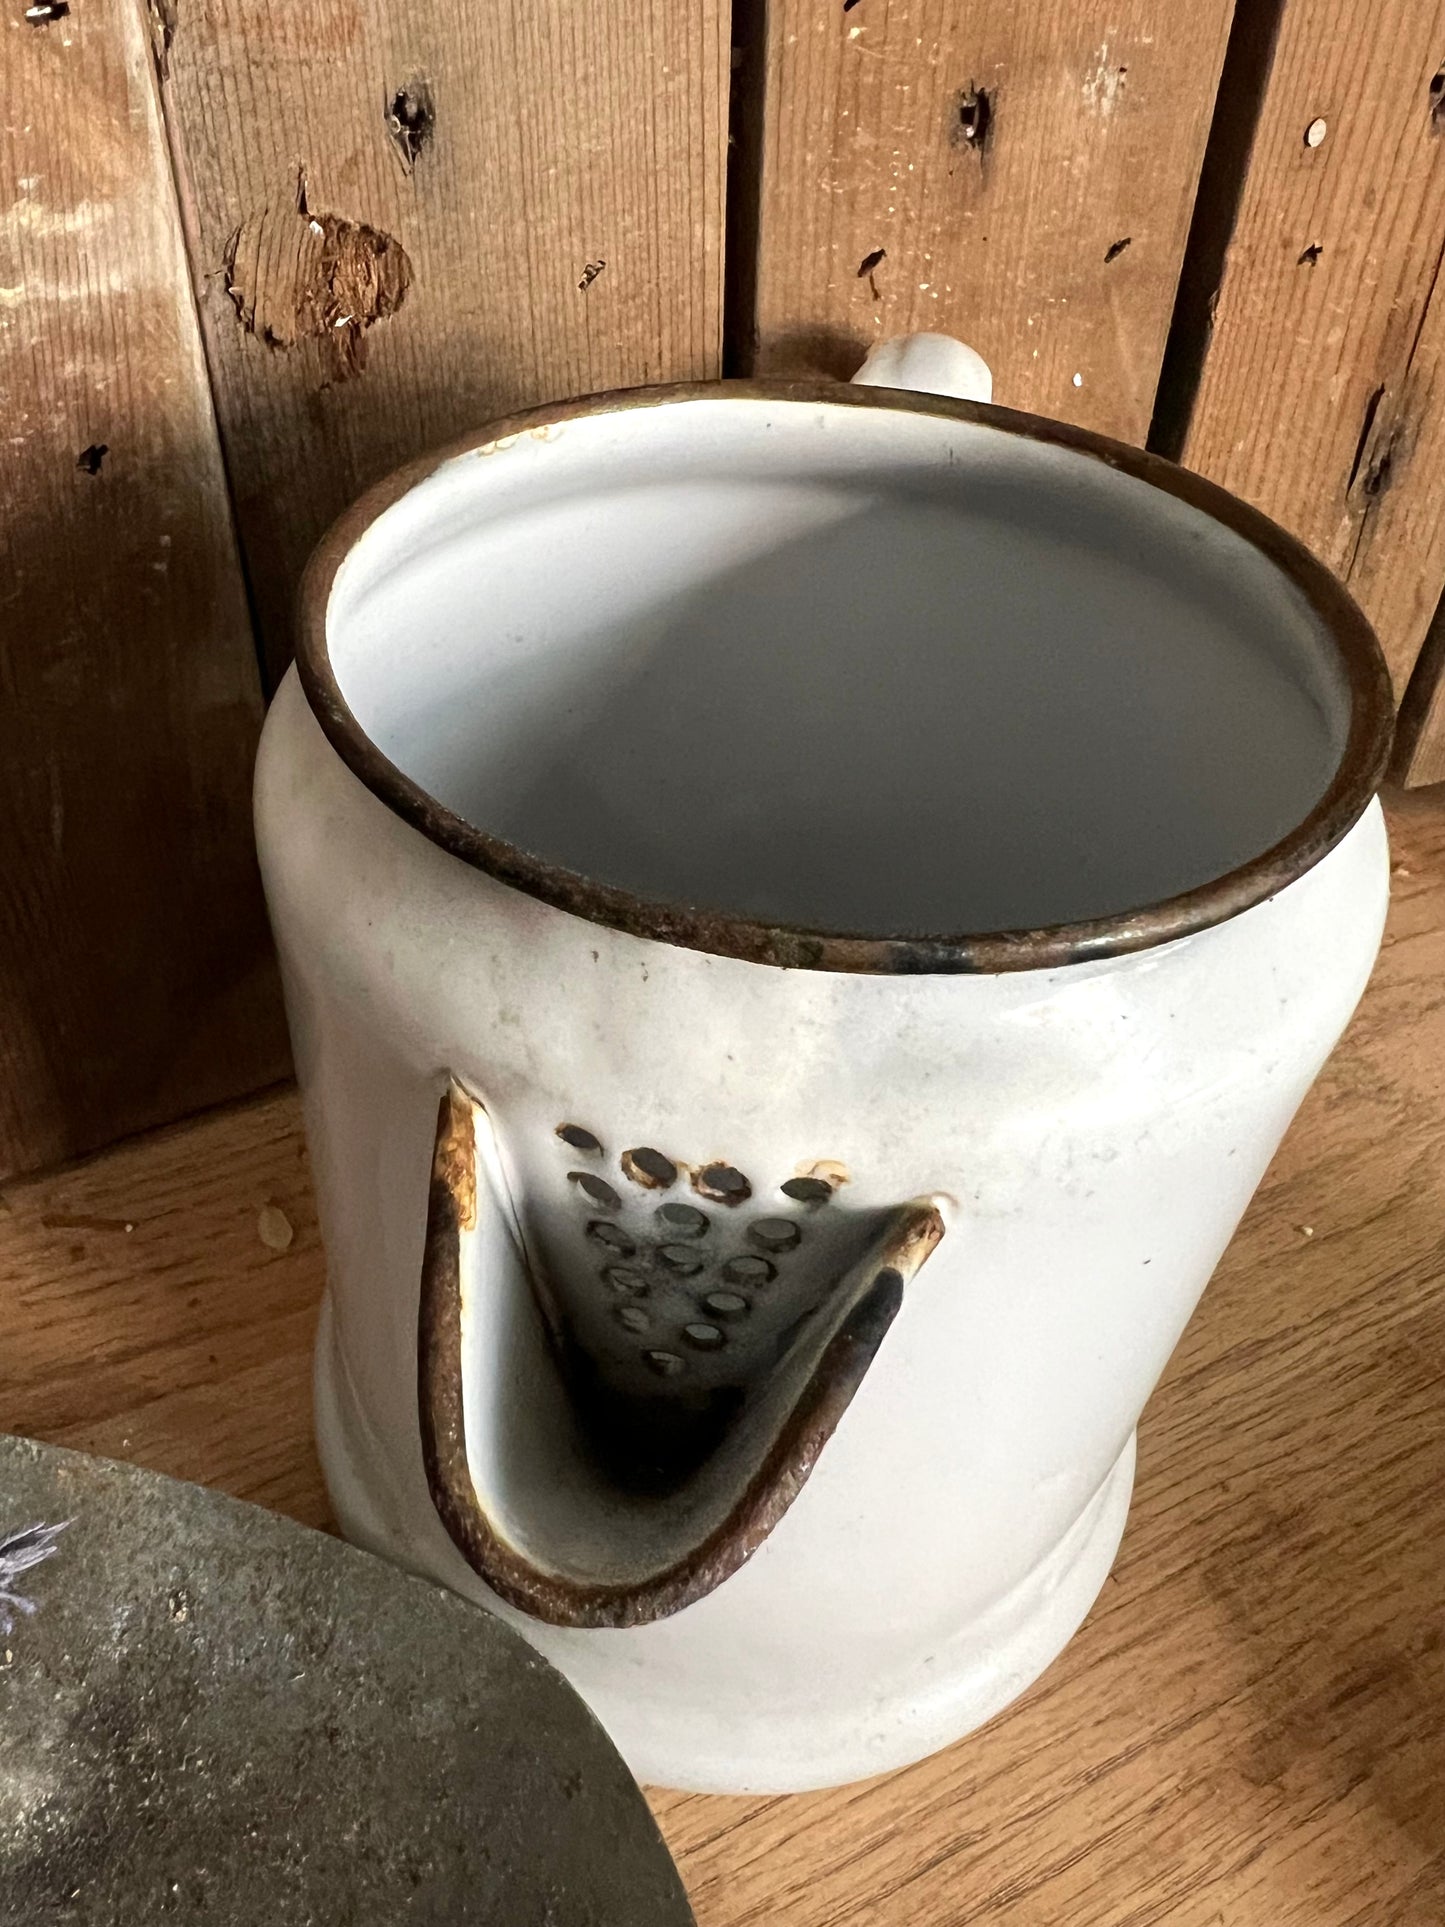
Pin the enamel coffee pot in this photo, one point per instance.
(806, 910)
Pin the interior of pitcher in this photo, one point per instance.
(841, 668)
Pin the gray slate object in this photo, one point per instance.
(211, 1714)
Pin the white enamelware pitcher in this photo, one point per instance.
(806, 910)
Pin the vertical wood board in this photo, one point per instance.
(1020, 175)
(1322, 393)
(136, 980)
(405, 220)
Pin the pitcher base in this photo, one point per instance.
(941, 1696)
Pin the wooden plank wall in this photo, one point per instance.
(257, 254)
(1321, 394)
(1024, 176)
(399, 222)
(1017, 172)
(405, 220)
(135, 974)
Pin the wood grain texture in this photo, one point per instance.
(1250, 1729)
(135, 973)
(1020, 175)
(1322, 393)
(145, 1317)
(405, 220)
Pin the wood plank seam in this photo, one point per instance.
(1248, 57)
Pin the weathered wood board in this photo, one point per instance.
(1321, 395)
(136, 980)
(406, 220)
(1018, 175)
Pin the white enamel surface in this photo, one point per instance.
(844, 668)
(813, 1719)
(1094, 1132)
(1100, 1130)
(932, 364)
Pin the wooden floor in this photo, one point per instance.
(1250, 1729)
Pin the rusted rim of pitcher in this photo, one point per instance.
(1359, 773)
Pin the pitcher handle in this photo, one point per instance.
(930, 365)
(476, 1291)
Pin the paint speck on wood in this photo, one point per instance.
(274, 1229)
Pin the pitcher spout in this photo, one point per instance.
(618, 1407)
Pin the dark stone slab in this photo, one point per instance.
(210, 1714)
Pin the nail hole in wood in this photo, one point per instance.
(848, 5)
(44, 11)
(973, 122)
(590, 274)
(1116, 248)
(1372, 408)
(871, 261)
(410, 122)
(1380, 472)
(1311, 254)
(91, 458)
(1437, 102)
